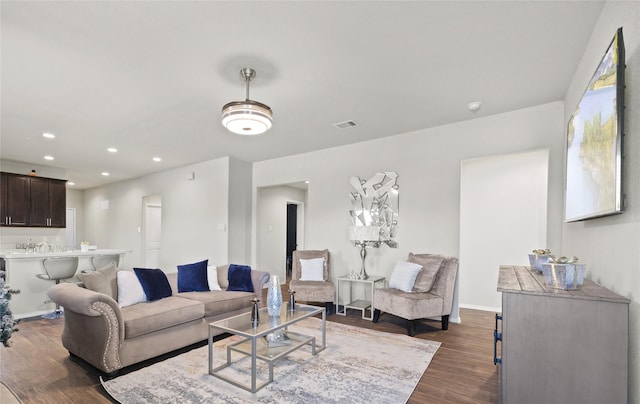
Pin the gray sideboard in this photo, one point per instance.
(560, 346)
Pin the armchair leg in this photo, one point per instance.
(330, 307)
(411, 328)
(376, 315)
(445, 322)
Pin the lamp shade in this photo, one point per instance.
(247, 117)
(364, 233)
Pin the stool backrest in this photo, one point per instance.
(60, 267)
(101, 261)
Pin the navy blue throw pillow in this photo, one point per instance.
(154, 283)
(193, 277)
(240, 278)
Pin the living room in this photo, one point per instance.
(210, 209)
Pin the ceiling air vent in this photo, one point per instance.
(345, 124)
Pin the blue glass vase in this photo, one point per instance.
(274, 297)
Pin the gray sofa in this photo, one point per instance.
(109, 337)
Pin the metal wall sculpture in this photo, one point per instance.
(374, 214)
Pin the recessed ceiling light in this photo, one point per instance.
(157, 159)
(70, 183)
(48, 135)
(112, 150)
(48, 157)
(474, 106)
(106, 174)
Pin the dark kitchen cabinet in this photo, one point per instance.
(14, 201)
(33, 201)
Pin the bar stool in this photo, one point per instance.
(101, 261)
(57, 269)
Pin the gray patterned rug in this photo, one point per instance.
(358, 366)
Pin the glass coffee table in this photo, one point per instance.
(255, 346)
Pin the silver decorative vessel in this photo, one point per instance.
(274, 297)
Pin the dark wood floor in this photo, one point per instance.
(40, 370)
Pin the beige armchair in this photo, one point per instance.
(319, 290)
(421, 303)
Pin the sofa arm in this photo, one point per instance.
(259, 279)
(93, 326)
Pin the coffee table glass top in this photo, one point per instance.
(241, 324)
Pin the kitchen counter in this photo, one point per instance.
(13, 255)
(21, 269)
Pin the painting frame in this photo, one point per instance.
(594, 148)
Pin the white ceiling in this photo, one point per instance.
(150, 77)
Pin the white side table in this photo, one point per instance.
(372, 282)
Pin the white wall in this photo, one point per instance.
(239, 224)
(428, 164)
(191, 213)
(503, 216)
(272, 227)
(18, 167)
(610, 246)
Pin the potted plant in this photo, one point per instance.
(7, 322)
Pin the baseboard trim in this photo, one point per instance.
(31, 314)
(452, 319)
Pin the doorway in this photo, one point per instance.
(274, 241)
(70, 229)
(152, 230)
(292, 235)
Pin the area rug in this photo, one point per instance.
(358, 366)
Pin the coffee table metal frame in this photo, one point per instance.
(254, 346)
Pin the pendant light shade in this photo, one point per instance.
(247, 117)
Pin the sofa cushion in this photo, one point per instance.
(407, 305)
(431, 265)
(154, 283)
(313, 291)
(404, 276)
(212, 277)
(220, 302)
(193, 277)
(223, 276)
(312, 269)
(146, 317)
(102, 280)
(240, 278)
(129, 289)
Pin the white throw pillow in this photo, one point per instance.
(312, 270)
(404, 276)
(130, 290)
(212, 277)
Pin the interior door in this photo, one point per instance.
(152, 235)
(70, 230)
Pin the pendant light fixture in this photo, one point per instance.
(247, 117)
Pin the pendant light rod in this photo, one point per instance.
(247, 74)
